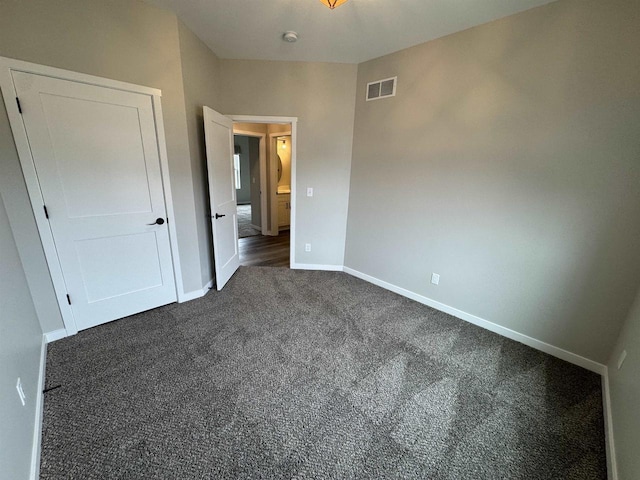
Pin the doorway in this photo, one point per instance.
(264, 150)
(282, 162)
(249, 162)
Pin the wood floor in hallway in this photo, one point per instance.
(265, 251)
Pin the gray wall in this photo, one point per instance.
(200, 75)
(243, 195)
(624, 385)
(322, 96)
(20, 344)
(254, 172)
(509, 164)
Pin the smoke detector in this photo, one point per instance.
(290, 37)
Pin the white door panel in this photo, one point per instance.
(95, 151)
(83, 130)
(132, 259)
(222, 194)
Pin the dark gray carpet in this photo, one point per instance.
(313, 375)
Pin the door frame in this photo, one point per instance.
(293, 121)
(273, 178)
(263, 174)
(8, 65)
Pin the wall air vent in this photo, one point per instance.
(381, 88)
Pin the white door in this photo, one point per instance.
(95, 151)
(218, 132)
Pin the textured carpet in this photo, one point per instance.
(313, 375)
(244, 222)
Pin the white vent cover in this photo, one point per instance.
(381, 88)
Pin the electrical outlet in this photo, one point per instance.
(307, 247)
(435, 278)
(23, 397)
(621, 358)
(309, 192)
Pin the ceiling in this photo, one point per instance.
(357, 31)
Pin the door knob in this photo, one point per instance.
(159, 221)
(218, 216)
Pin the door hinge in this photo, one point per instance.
(46, 212)
(68, 299)
(19, 106)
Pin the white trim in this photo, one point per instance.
(262, 119)
(294, 153)
(168, 196)
(187, 297)
(37, 429)
(273, 184)
(38, 69)
(33, 187)
(293, 202)
(7, 65)
(263, 175)
(208, 286)
(612, 466)
(55, 335)
(263, 185)
(493, 327)
(311, 266)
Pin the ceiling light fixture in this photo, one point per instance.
(290, 36)
(333, 3)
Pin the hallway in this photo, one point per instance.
(265, 251)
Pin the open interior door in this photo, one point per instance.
(218, 131)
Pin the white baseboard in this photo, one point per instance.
(208, 286)
(37, 430)
(494, 327)
(612, 467)
(55, 335)
(186, 297)
(311, 266)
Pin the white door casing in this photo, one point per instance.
(96, 154)
(218, 131)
